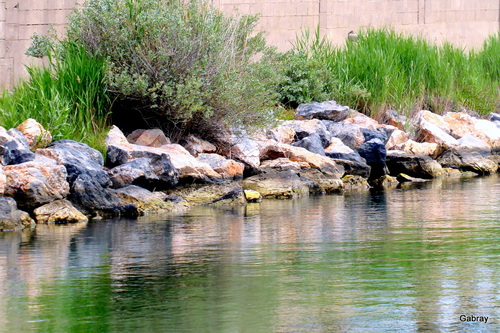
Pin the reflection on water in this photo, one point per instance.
(395, 260)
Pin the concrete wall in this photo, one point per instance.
(462, 22)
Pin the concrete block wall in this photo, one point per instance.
(462, 22)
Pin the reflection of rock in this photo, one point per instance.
(59, 211)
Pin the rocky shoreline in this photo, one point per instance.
(328, 148)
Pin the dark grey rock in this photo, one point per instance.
(11, 218)
(479, 161)
(312, 143)
(14, 148)
(329, 110)
(306, 128)
(353, 163)
(350, 134)
(419, 166)
(374, 152)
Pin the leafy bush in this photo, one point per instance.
(182, 65)
(68, 97)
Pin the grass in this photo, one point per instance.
(385, 69)
(68, 97)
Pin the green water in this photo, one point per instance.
(392, 261)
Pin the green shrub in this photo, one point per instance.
(182, 65)
(68, 97)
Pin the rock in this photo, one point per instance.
(197, 146)
(282, 184)
(353, 163)
(468, 141)
(493, 117)
(253, 196)
(35, 134)
(431, 127)
(116, 137)
(227, 168)
(147, 201)
(312, 143)
(3, 182)
(363, 121)
(298, 154)
(78, 159)
(12, 218)
(420, 148)
(459, 124)
(382, 135)
(374, 153)
(489, 131)
(190, 169)
(420, 166)
(319, 182)
(283, 164)
(241, 147)
(404, 178)
(337, 146)
(391, 117)
(329, 110)
(305, 128)
(386, 182)
(14, 148)
(156, 172)
(34, 184)
(475, 160)
(59, 211)
(150, 137)
(397, 138)
(224, 194)
(282, 134)
(353, 182)
(89, 195)
(349, 134)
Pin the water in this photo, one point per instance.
(391, 261)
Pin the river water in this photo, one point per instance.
(401, 260)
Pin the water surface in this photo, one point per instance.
(381, 261)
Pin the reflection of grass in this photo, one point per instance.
(385, 69)
(68, 98)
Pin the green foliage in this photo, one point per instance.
(183, 64)
(384, 69)
(68, 97)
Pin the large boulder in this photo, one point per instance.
(329, 110)
(431, 127)
(282, 184)
(148, 137)
(155, 172)
(33, 184)
(227, 168)
(353, 163)
(59, 211)
(374, 153)
(305, 128)
(363, 121)
(223, 194)
(14, 149)
(241, 147)
(298, 154)
(420, 148)
(397, 138)
(147, 201)
(337, 146)
(318, 182)
(490, 132)
(196, 146)
(475, 160)
(11, 218)
(312, 143)
(420, 166)
(350, 134)
(35, 134)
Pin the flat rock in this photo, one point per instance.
(282, 184)
(59, 211)
(475, 160)
(328, 110)
(222, 194)
(319, 182)
(283, 164)
(148, 137)
(419, 166)
(33, 184)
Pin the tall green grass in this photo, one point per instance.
(386, 69)
(68, 97)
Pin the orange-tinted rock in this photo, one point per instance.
(151, 138)
(337, 146)
(397, 138)
(187, 164)
(197, 146)
(35, 134)
(363, 121)
(282, 134)
(227, 168)
(432, 128)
